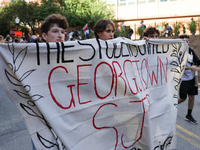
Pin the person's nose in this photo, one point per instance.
(60, 34)
(111, 34)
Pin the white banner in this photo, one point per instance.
(96, 95)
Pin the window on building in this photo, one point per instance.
(146, 1)
(131, 2)
(151, 1)
(126, 2)
(112, 2)
(141, 1)
(163, 0)
(122, 2)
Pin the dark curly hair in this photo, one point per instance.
(58, 19)
(150, 30)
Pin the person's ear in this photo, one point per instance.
(44, 36)
(98, 33)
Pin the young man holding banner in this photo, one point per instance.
(53, 28)
(188, 82)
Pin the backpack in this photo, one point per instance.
(131, 31)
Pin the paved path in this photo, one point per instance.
(13, 132)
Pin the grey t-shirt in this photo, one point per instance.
(188, 74)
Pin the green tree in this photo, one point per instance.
(24, 11)
(30, 15)
(80, 12)
(140, 31)
(47, 8)
(123, 32)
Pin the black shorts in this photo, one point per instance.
(187, 87)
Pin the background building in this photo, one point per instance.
(155, 12)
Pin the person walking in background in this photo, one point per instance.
(169, 29)
(142, 25)
(104, 29)
(130, 32)
(76, 33)
(71, 35)
(187, 86)
(8, 39)
(87, 33)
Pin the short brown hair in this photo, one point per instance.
(150, 30)
(58, 19)
(101, 25)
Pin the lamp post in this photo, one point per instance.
(17, 22)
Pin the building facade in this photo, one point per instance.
(155, 12)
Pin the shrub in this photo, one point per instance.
(192, 26)
(140, 31)
(123, 32)
(177, 27)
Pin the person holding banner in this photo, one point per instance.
(104, 29)
(150, 33)
(53, 28)
(187, 86)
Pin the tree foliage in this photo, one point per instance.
(177, 27)
(80, 12)
(47, 8)
(31, 15)
(192, 26)
(140, 31)
(123, 32)
(22, 10)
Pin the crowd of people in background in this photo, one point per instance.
(69, 36)
(18, 39)
(80, 34)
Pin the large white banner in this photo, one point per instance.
(96, 95)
